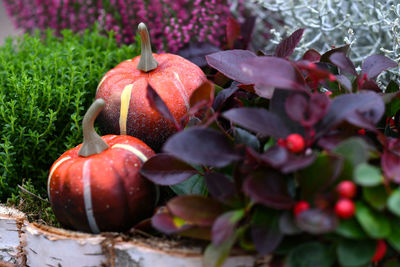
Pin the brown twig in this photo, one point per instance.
(32, 194)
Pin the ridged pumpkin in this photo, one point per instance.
(96, 186)
(124, 89)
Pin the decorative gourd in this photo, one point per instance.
(96, 186)
(124, 89)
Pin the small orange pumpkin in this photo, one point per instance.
(124, 89)
(96, 186)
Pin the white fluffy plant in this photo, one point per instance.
(369, 26)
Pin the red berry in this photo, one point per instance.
(300, 207)
(345, 208)
(295, 143)
(361, 132)
(346, 189)
(380, 251)
(281, 142)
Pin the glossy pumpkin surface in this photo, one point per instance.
(127, 110)
(104, 191)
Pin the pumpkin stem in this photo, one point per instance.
(147, 61)
(92, 142)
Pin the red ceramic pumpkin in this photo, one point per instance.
(124, 89)
(96, 186)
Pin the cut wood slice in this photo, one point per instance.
(48, 246)
(12, 223)
(31, 244)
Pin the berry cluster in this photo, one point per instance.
(345, 209)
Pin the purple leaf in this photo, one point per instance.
(360, 119)
(326, 56)
(275, 157)
(277, 107)
(264, 91)
(343, 63)
(286, 46)
(203, 94)
(201, 146)
(164, 169)
(295, 163)
(225, 225)
(307, 111)
(345, 82)
(287, 224)
(258, 120)
(223, 95)
(227, 62)
(346, 107)
(198, 210)
(232, 31)
(269, 188)
(318, 107)
(371, 85)
(247, 28)
(159, 105)
(390, 160)
(311, 55)
(219, 186)
(196, 52)
(296, 107)
(272, 72)
(164, 222)
(265, 231)
(375, 64)
(317, 221)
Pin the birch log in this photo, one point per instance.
(35, 245)
(12, 223)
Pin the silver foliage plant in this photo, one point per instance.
(369, 26)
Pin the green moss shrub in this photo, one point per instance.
(46, 84)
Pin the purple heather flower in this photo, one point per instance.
(172, 23)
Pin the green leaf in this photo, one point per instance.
(394, 237)
(319, 175)
(354, 252)
(310, 255)
(195, 185)
(393, 107)
(394, 202)
(195, 209)
(214, 256)
(375, 196)
(354, 150)
(392, 87)
(392, 263)
(375, 224)
(244, 137)
(367, 175)
(350, 228)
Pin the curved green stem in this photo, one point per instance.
(92, 142)
(147, 61)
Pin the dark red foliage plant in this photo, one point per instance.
(284, 132)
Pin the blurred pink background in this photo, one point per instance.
(6, 26)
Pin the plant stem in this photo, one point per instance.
(147, 61)
(92, 142)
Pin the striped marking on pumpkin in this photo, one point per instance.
(52, 172)
(181, 88)
(132, 149)
(143, 158)
(102, 80)
(123, 113)
(87, 197)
